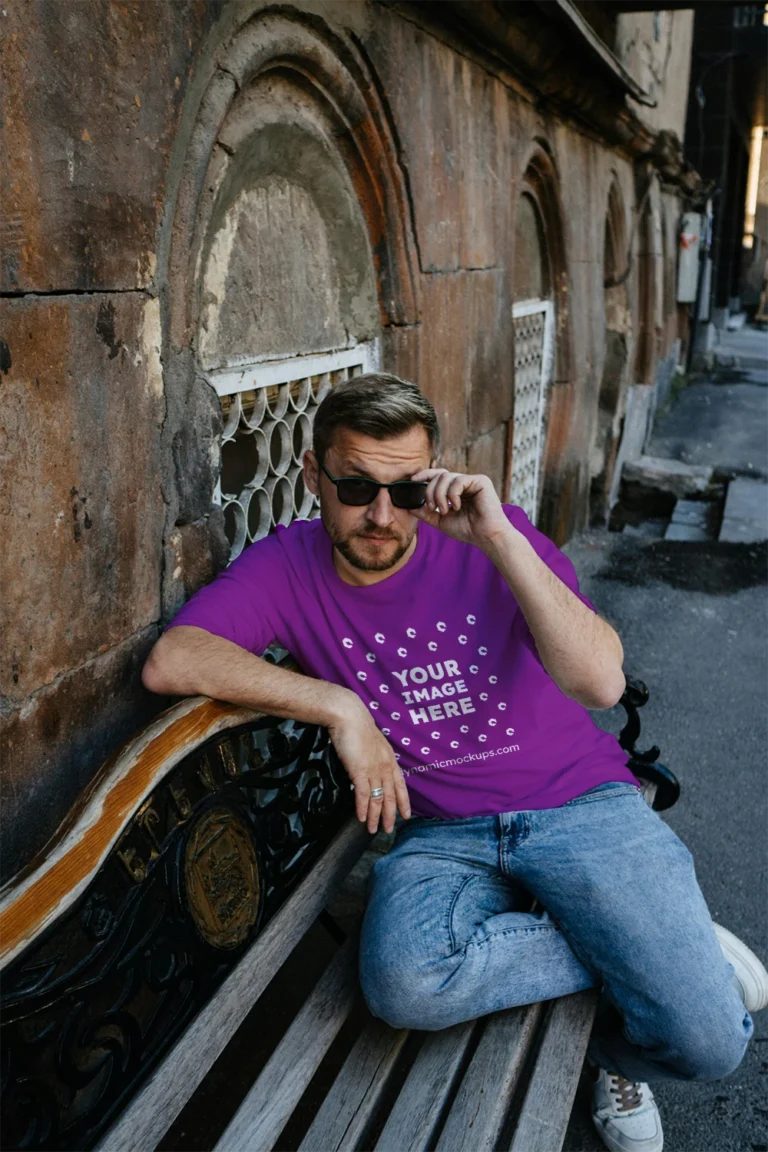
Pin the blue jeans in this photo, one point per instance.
(449, 933)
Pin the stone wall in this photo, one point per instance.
(655, 48)
(146, 146)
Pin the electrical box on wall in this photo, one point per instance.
(688, 258)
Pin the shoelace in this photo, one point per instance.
(627, 1093)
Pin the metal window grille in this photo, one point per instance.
(269, 409)
(533, 322)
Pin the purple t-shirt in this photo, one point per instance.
(441, 654)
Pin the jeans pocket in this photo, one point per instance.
(607, 791)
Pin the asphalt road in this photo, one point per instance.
(694, 623)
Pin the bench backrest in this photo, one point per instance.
(137, 924)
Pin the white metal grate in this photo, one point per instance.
(268, 409)
(533, 324)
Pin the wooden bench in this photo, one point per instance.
(135, 947)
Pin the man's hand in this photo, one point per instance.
(370, 763)
(467, 508)
(188, 660)
(581, 652)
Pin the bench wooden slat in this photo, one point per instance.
(159, 1101)
(278, 1089)
(346, 1112)
(417, 1110)
(482, 1102)
(544, 1116)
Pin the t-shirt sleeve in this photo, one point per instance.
(241, 604)
(555, 560)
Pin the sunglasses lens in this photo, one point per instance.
(409, 495)
(357, 492)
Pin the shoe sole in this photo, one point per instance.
(632, 1146)
(748, 967)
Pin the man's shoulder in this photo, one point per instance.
(260, 580)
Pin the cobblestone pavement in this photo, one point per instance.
(693, 617)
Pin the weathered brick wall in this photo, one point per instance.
(109, 434)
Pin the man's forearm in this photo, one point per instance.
(189, 661)
(581, 652)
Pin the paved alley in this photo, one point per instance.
(693, 618)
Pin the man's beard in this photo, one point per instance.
(350, 548)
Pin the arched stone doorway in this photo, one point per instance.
(618, 335)
(287, 300)
(533, 319)
(290, 251)
(542, 347)
(650, 278)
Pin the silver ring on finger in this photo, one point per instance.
(376, 793)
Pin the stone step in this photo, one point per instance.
(696, 513)
(674, 476)
(678, 531)
(745, 519)
(690, 521)
(652, 529)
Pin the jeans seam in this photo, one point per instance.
(520, 833)
(551, 927)
(467, 880)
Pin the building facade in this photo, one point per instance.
(213, 211)
(727, 123)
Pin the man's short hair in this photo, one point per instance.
(377, 405)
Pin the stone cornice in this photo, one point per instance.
(548, 46)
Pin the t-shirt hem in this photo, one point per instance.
(539, 802)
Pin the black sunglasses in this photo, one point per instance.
(357, 491)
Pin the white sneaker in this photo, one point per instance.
(625, 1114)
(750, 975)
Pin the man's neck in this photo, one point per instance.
(362, 577)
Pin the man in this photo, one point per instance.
(452, 658)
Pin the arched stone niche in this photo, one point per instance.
(650, 276)
(532, 277)
(540, 266)
(285, 266)
(290, 234)
(617, 353)
(541, 183)
(290, 126)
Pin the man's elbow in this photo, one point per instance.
(157, 673)
(609, 692)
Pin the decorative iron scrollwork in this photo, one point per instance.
(645, 765)
(91, 1006)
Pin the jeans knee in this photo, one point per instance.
(400, 1000)
(716, 1053)
(401, 993)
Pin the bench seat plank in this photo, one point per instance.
(483, 1100)
(544, 1116)
(346, 1112)
(151, 1111)
(412, 1122)
(278, 1089)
